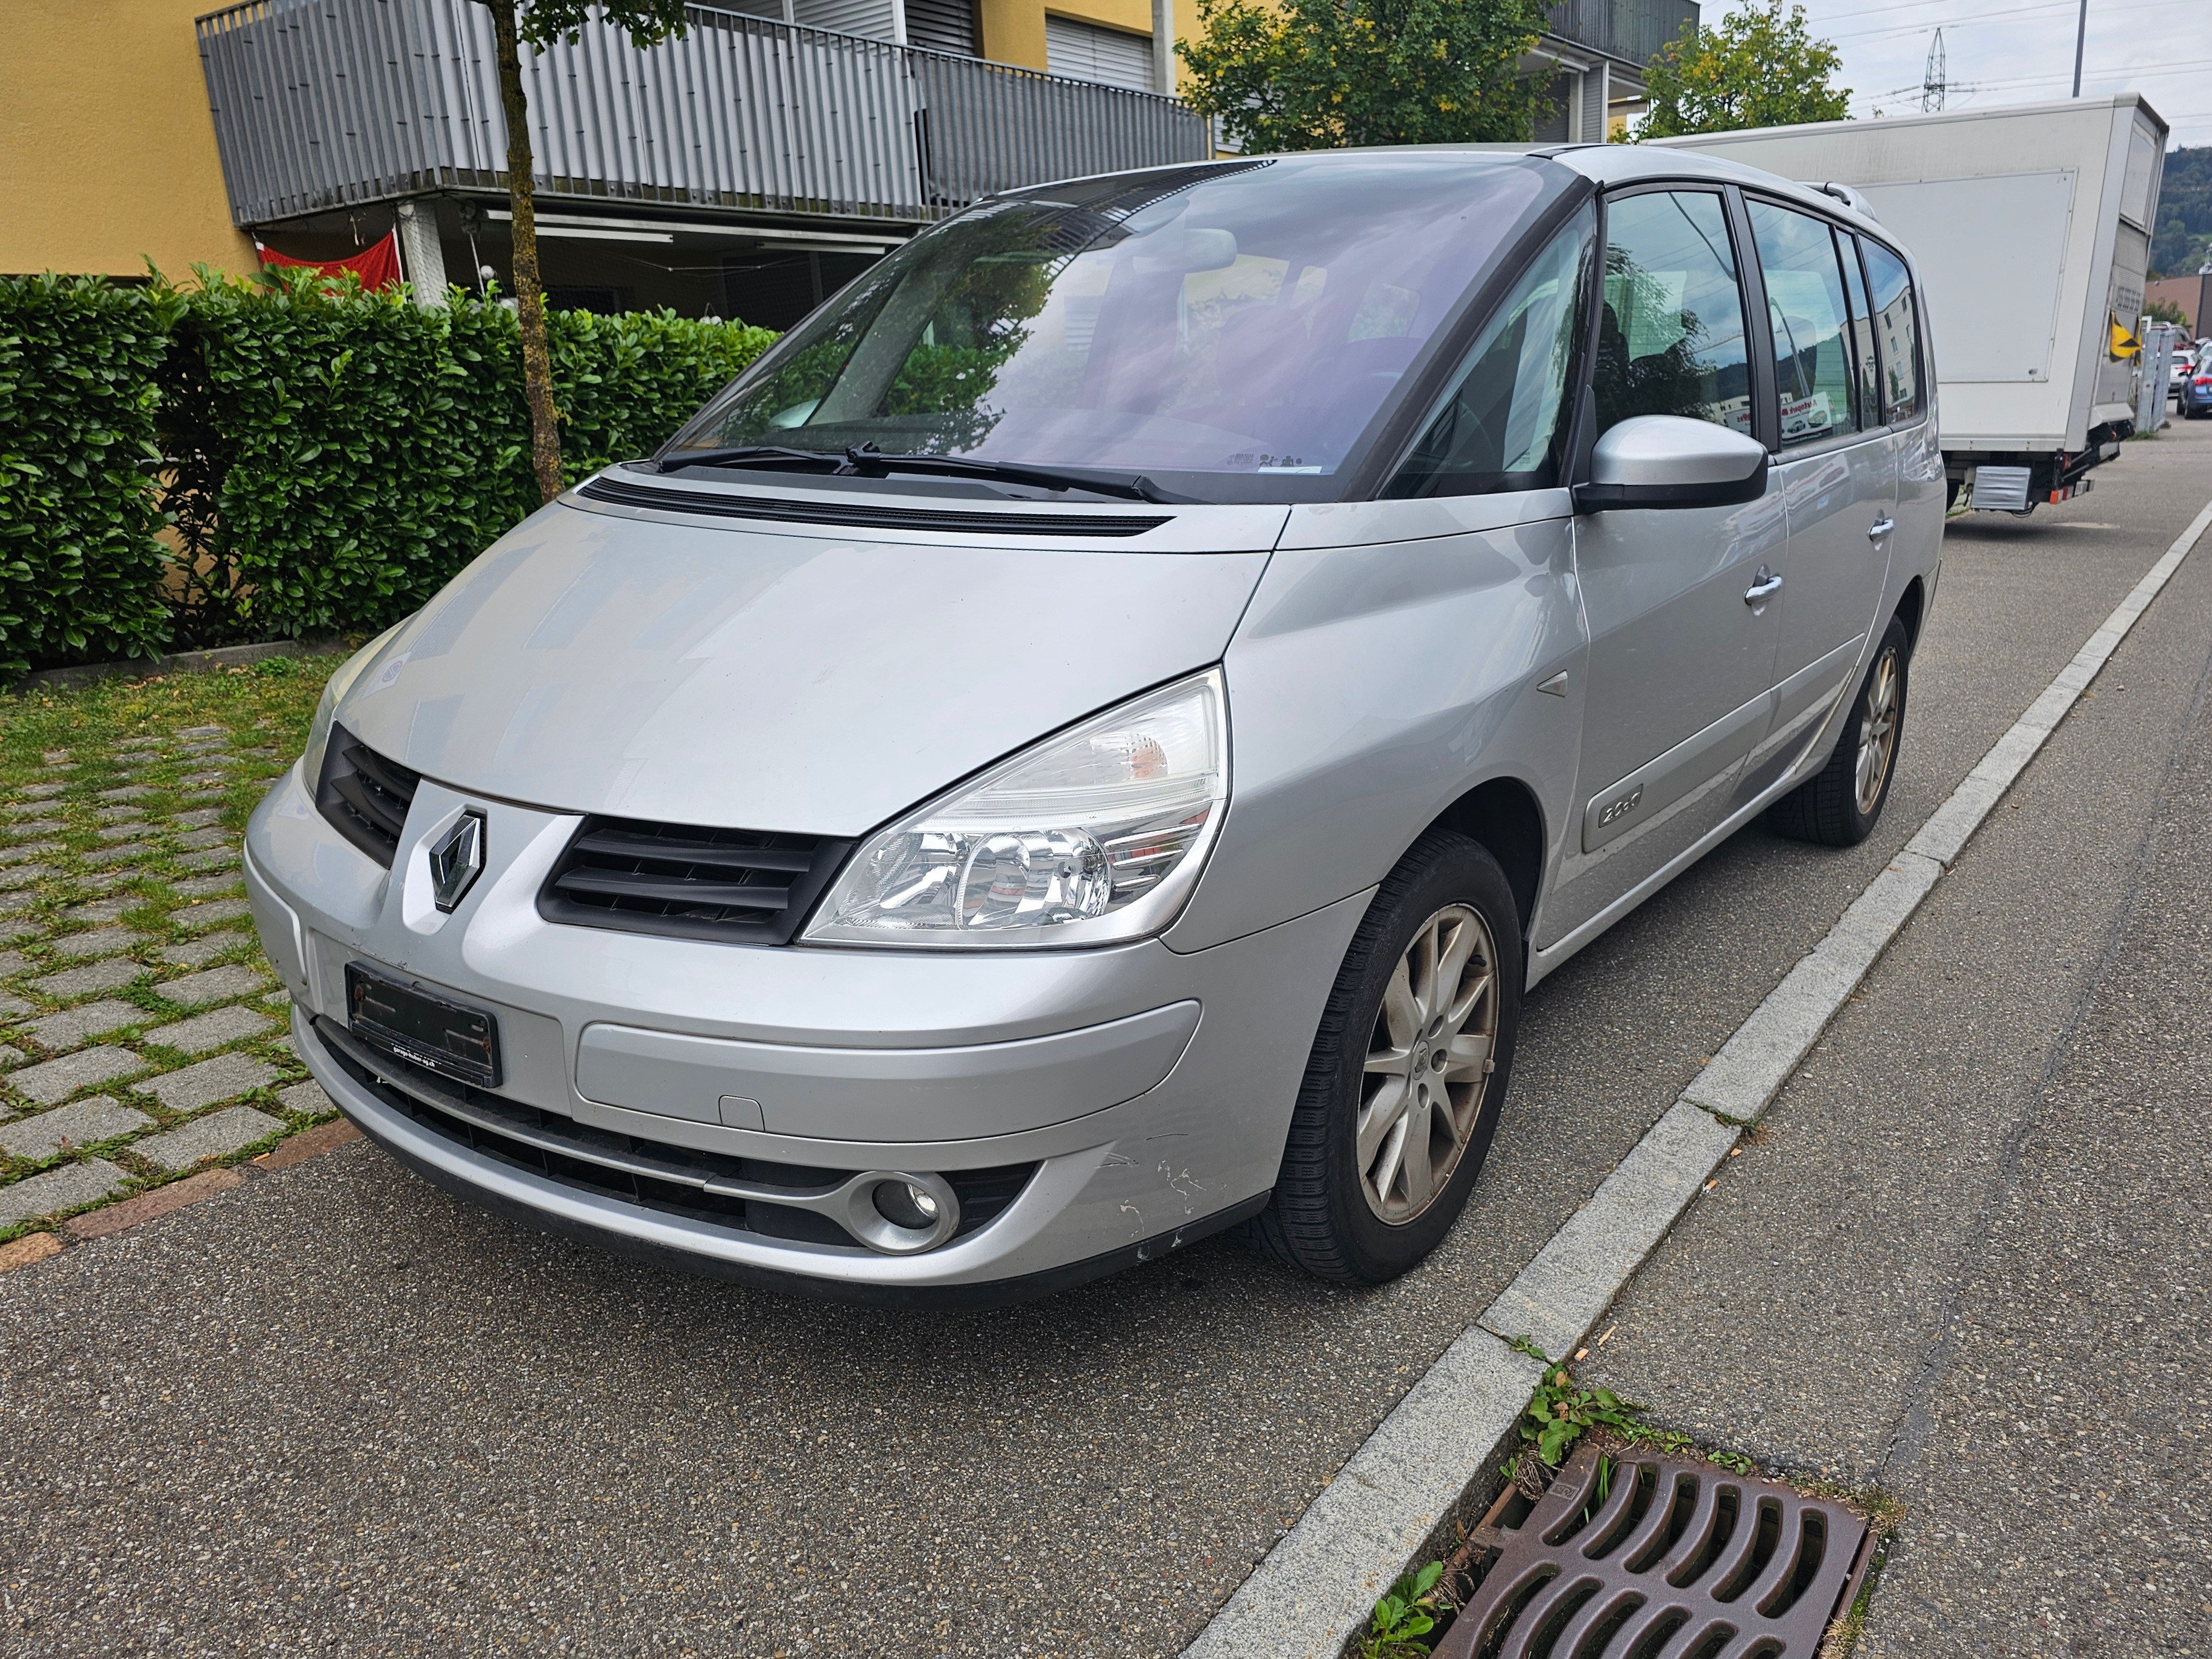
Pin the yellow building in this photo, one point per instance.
(107, 157)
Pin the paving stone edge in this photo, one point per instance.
(171, 1196)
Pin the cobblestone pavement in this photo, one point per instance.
(141, 1037)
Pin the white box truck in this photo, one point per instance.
(2032, 229)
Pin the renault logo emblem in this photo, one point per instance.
(456, 861)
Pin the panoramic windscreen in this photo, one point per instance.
(1211, 324)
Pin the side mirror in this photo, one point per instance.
(1668, 460)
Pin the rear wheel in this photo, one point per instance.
(1407, 1072)
(1840, 805)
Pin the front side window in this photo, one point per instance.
(1896, 333)
(1671, 332)
(1502, 423)
(1805, 312)
(1229, 330)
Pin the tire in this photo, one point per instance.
(1362, 1221)
(1839, 806)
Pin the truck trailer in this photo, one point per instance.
(2031, 226)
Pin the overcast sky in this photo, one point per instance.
(2020, 53)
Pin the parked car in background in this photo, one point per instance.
(2183, 368)
(2196, 392)
(1088, 740)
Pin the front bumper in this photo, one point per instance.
(1137, 1096)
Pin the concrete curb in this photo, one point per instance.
(1310, 1597)
(1384, 1509)
(225, 656)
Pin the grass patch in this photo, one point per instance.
(66, 755)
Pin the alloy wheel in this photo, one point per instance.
(1877, 732)
(1428, 1067)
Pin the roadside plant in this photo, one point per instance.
(1559, 1413)
(538, 24)
(81, 560)
(1758, 67)
(1288, 75)
(1404, 1616)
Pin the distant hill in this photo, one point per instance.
(2183, 241)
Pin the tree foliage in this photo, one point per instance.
(2183, 241)
(1320, 74)
(1756, 67)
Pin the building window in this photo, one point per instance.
(942, 25)
(1085, 52)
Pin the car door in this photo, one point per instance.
(1837, 475)
(1677, 601)
(1905, 385)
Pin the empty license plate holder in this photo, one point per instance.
(411, 1024)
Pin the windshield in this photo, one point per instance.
(1228, 330)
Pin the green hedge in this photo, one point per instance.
(327, 459)
(80, 565)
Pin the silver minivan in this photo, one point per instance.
(1088, 742)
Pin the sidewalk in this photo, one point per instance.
(1963, 1260)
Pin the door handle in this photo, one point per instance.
(1764, 586)
(1880, 528)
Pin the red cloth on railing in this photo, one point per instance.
(377, 265)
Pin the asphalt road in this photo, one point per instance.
(334, 1410)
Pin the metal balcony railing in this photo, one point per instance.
(1632, 30)
(322, 104)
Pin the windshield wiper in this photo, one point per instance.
(753, 455)
(870, 462)
(866, 461)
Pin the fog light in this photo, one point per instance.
(907, 1204)
(899, 1213)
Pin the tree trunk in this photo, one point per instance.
(529, 296)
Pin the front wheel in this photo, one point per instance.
(1840, 804)
(1407, 1072)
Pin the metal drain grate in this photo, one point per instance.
(1677, 1560)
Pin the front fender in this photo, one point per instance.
(1371, 685)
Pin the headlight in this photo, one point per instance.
(1096, 834)
(318, 731)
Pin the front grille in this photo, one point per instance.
(741, 886)
(651, 1174)
(861, 515)
(364, 796)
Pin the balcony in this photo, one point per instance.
(1630, 32)
(323, 105)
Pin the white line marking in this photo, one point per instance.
(1390, 1506)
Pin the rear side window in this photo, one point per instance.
(1671, 332)
(1806, 314)
(1501, 425)
(1896, 332)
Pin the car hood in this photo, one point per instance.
(594, 661)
